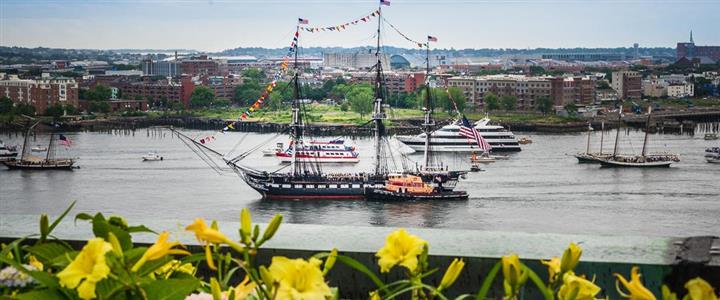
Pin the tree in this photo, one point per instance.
(339, 91)
(6, 105)
(24, 109)
(571, 109)
(56, 110)
(544, 104)
(491, 102)
(458, 96)
(100, 106)
(536, 70)
(98, 93)
(247, 93)
(344, 106)
(360, 97)
(254, 74)
(508, 102)
(202, 96)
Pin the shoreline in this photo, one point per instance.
(409, 126)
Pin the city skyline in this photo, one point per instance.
(219, 25)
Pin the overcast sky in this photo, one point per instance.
(221, 24)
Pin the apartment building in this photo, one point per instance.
(40, 93)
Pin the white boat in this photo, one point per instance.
(482, 158)
(449, 139)
(710, 136)
(7, 151)
(712, 152)
(38, 148)
(272, 151)
(152, 156)
(713, 160)
(334, 151)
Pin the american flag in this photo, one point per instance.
(467, 130)
(303, 21)
(432, 38)
(65, 141)
(385, 2)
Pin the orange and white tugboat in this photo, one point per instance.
(404, 187)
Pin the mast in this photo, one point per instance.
(378, 113)
(587, 150)
(647, 130)
(26, 147)
(617, 136)
(602, 135)
(427, 107)
(51, 148)
(296, 125)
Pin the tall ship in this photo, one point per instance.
(449, 139)
(588, 157)
(645, 159)
(29, 161)
(305, 179)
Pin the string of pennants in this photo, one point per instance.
(270, 86)
(207, 139)
(343, 26)
(419, 44)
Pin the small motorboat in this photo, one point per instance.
(711, 136)
(500, 156)
(713, 159)
(152, 156)
(476, 168)
(272, 151)
(404, 187)
(485, 157)
(524, 141)
(38, 148)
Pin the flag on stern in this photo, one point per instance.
(303, 21)
(432, 38)
(467, 130)
(385, 2)
(65, 141)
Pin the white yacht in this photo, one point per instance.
(448, 139)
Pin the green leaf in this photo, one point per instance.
(83, 216)
(170, 289)
(48, 251)
(538, 282)
(41, 295)
(140, 228)
(151, 266)
(350, 262)
(487, 282)
(100, 226)
(61, 217)
(122, 236)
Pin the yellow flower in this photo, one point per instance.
(553, 267)
(570, 258)
(577, 288)
(244, 289)
(89, 267)
(513, 274)
(158, 250)
(402, 249)
(699, 289)
(451, 274)
(175, 266)
(205, 233)
(35, 263)
(635, 287)
(374, 295)
(299, 279)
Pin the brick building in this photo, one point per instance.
(223, 87)
(159, 90)
(396, 83)
(202, 65)
(40, 93)
(628, 85)
(690, 50)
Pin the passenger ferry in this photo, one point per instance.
(322, 152)
(448, 139)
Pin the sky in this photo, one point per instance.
(214, 25)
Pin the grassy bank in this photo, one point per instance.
(325, 114)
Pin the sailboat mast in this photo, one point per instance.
(427, 106)
(602, 136)
(51, 148)
(296, 122)
(378, 114)
(647, 131)
(587, 150)
(617, 136)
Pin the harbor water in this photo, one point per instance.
(541, 189)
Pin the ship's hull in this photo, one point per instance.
(21, 165)
(621, 164)
(585, 158)
(438, 144)
(375, 194)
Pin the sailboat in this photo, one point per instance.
(588, 157)
(644, 160)
(32, 162)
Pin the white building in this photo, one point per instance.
(680, 90)
(355, 60)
